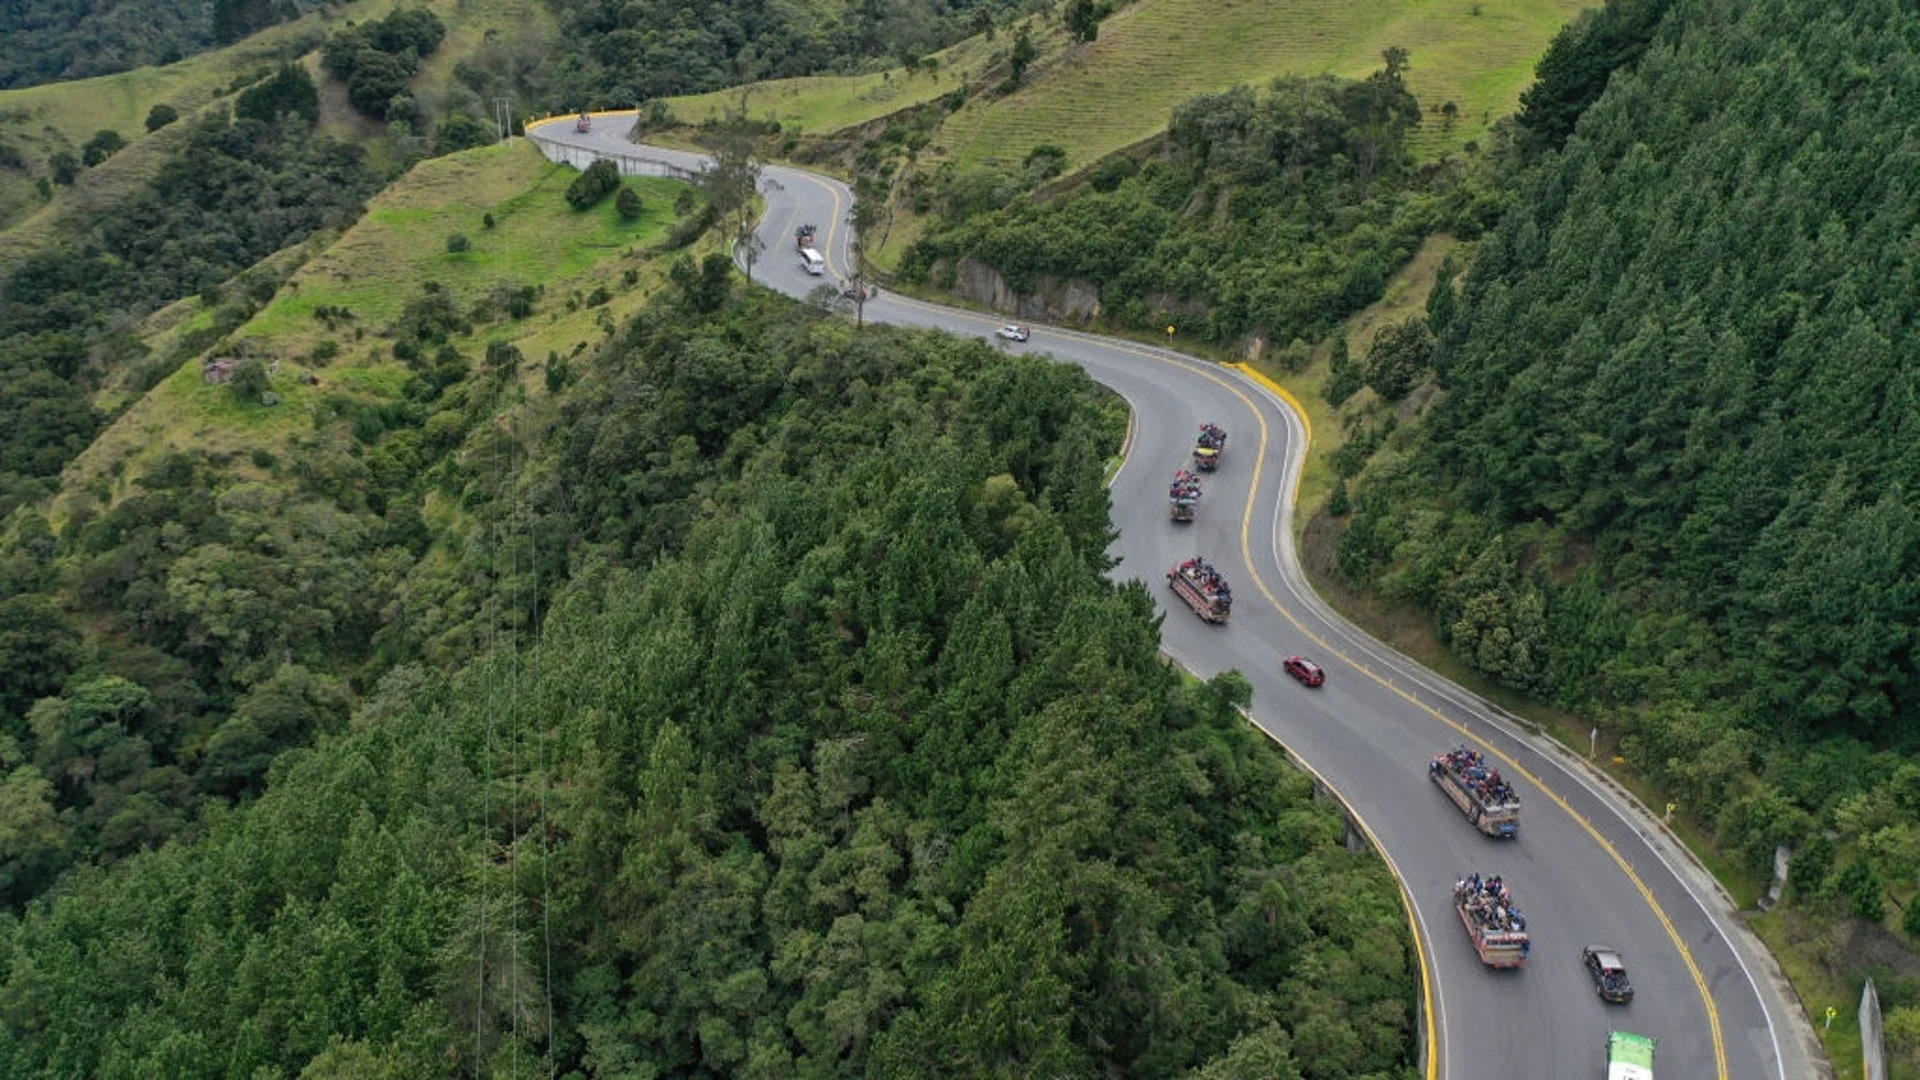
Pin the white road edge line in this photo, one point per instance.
(1429, 682)
(1387, 656)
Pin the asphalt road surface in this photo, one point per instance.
(1584, 870)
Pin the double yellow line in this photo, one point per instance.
(1246, 552)
(1673, 934)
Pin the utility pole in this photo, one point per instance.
(503, 118)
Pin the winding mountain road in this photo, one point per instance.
(1588, 868)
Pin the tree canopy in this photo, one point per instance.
(837, 754)
(1273, 213)
(1667, 477)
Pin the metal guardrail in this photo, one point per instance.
(635, 164)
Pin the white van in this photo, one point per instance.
(815, 263)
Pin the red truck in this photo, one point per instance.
(1494, 922)
(1203, 588)
(1477, 789)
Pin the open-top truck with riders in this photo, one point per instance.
(1494, 922)
(1183, 495)
(1478, 790)
(584, 124)
(1203, 588)
(1209, 446)
(810, 258)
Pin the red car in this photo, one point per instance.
(1305, 670)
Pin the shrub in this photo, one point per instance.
(1863, 887)
(291, 90)
(160, 116)
(377, 79)
(486, 221)
(1400, 358)
(64, 166)
(461, 132)
(628, 203)
(249, 380)
(1044, 162)
(599, 181)
(458, 243)
(102, 146)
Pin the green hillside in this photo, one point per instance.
(374, 271)
(818, 104)
(840, 756)
(1152, 55)
(1096, 98)
(38, 121)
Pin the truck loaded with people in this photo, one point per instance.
(810, 258)
(1203, 588)
(1208, 448)
(1478, 790)
(1494, 922)
(1183, 495)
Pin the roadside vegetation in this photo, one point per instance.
(1269, 216)
(838, 753)
(1662, 483)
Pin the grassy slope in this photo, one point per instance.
(380, 263)
(49, 117)
(1118, 90)
(819, 104)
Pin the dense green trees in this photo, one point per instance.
(229, 196)
(50, 40)
(375, 59)
(289, 90)
(1584, 54)
(616, 55)
(1273, 214)
(1670, 474)
(838, 756)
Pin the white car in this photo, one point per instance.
(1014, 333)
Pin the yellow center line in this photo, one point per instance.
(1420, 947)
(1246, 552)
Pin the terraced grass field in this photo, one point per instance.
(1093, 99)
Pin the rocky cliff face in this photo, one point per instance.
(1055, 300)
